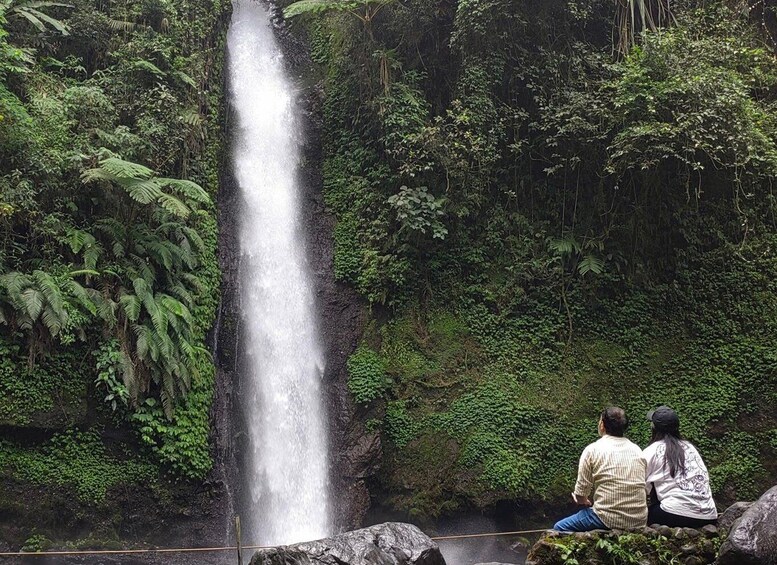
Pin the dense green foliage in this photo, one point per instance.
(110, 141)
(635, 548)
(79, 460)
(550, 226)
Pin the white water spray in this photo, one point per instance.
(287, 468)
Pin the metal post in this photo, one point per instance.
(239, 540)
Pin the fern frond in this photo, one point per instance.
(187, 188)
(33, 301)
(76, 239)
(121, 25)
(317, 6)
(177, 308)
(184, 78)
(125, 169)
(81, 295)
(182, 294)
(162, 254)
(149, 67)
(143, 191)
(131, 306)
(52, 320)
(142, 341)
(14, 282)
(192, 117)
(194, 238)
(173, 205)
(193, 281)
(590, 264)
(51, 291)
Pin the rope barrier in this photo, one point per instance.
(214, 549)
(491, 534)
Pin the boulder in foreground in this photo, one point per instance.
(393, 543)
(752, 539)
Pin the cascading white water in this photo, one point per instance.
(287, 474)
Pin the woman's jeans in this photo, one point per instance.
(584, 521)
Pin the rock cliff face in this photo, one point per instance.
(353, 451)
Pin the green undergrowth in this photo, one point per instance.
(77, 460)
(625, 549)
(111, 141)
(545, 222)
(51, 393)
(485, 405)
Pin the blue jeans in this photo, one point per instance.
(584, 521)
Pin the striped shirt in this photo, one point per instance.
(614, 468)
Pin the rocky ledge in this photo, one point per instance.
(648, 546)
(392, 543)
(746, 534)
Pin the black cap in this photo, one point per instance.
(664, 417)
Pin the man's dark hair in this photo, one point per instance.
(615, 421)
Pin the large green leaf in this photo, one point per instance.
(173, 205)
(187, 188)
(318, 6)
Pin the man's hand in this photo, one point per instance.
(581, 500)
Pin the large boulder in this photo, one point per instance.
(392, 543)
(752, 539)
(732, 514)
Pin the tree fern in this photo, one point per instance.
(140, 184)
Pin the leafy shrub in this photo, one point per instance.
(366, 375)
(77, 460)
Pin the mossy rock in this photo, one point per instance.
(647, 546)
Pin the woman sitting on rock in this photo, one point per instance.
(677, 475)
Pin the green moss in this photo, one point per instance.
(52, 393)
(74, 459)
(623, 549)
(520, 407)
(366, 375)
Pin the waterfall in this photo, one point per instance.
(286, 474)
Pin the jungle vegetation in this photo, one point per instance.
(546, 205)
(110, 139)
(551, 206)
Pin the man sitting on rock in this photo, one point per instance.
(614, 468)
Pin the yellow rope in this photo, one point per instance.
(226, 548)
(490, 534)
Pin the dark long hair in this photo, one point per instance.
(675, 454)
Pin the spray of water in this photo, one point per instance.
(286, 474)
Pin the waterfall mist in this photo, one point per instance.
(286, 470)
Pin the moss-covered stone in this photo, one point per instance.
(646, 547)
